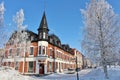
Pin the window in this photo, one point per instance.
(9, 63)
(18, 52)
(40, 36)
(30, 69)
(10, 52)
(50, 64)
(43, 49)
(51, 52)
(31, 50)
(32, 38)
(43, 35)
(51, 40)
(57, 54)
(16, 66)
(39, 49)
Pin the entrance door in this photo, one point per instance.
(41, 69)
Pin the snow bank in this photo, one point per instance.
(7, 73)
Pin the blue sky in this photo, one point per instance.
(63, 16)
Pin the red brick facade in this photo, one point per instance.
(43, 56)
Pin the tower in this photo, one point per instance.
(42, 43)
(43, 29)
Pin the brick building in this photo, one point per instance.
(46, 53)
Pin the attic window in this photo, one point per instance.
(51, 40)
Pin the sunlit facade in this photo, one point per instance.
(46, 53)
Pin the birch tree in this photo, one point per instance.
(22, 38)
(101, 32)
(3, 35)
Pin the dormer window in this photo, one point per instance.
(32, 38)
(51, 40)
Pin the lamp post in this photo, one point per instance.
(76, 62)
(77, 68)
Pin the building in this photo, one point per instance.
(80, 57)
(46, 53)
(88, 63)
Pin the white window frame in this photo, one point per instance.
(29, 67)
(50, 52)
(17, 52)
(30, 51)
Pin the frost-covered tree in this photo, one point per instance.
(3, 33)
(21, 36)
(101, 33)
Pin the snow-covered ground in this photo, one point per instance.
(10, 74)
(86, 74)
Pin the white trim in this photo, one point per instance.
(31, 59)
(37, 58)
(59, 51)
(8, 60)
(45, 67)
(20, 59)
(50, 60)
(43, 43)
(61, 61)
(37, 67)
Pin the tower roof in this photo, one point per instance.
(43, 23)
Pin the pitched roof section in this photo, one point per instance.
(43, 23)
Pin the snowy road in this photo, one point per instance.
(87, 74)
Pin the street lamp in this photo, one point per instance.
(77, 68)
(76, 61)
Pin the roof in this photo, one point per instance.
(31, 35)
(43, 23)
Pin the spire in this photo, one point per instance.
(43, 24)
(43, 28)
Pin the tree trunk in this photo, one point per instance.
(105, 71)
